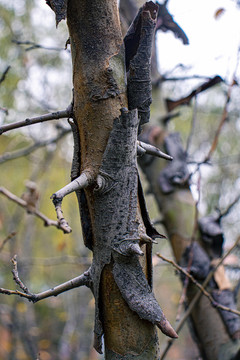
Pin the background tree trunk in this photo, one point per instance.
(178, 211)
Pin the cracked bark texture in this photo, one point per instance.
(171, 190)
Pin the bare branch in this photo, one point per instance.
(52, 116)
(172, 104)
(222, 122)
(16, 276)
(165, 119)
(164, 78)
(225, 112)
(144, 148)
(4, 74)
(32, 45)
(81, 182)
(206, 293)
(84, 279)
(197, 297)
(229, 208)
(9, 237)
(33, 211)
(194, 116)
(29, 149)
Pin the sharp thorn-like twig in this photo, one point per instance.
(152, 150)
(83, 181)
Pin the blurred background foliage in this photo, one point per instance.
(39, 81)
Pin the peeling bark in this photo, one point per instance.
(114, 218)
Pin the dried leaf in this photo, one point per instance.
(219, 13)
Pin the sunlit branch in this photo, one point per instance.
(197, 297)
(32, 210)
(52, 116)
(29, 149)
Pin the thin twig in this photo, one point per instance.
(29, 149)
(4, 74)
(82, 280)
(197, 297)
(33, 211)
(225, 112)
(222, 122)
(165, 78)
(52, 116)
(194, 117)
(229, 208)
(16, 276)
(33, 45)
(54, 261)
(9, 237)
(206, 293)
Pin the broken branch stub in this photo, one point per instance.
(59, 7)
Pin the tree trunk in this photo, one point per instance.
(114, 221)
(178, 208)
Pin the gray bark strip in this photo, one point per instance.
(115, 198)
(117, 228)
(138, 43)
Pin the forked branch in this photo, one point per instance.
(32, 210)
(82, 280)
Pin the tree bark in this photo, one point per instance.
(114, 221)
